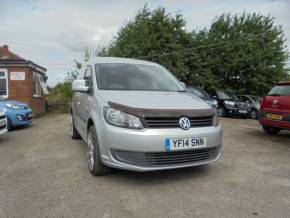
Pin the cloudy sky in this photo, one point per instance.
(53, 33)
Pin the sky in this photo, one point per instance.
(54, 33)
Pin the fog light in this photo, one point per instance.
(20, 117)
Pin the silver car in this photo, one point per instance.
(135, 115)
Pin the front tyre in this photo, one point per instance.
(254, 114)
(221, 112)
(9, 124)
(96, 167)
(271, 130)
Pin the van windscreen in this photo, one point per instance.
(136, 77)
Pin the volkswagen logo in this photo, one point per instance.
(184, 123)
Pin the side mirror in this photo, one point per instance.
(183, 84)
(80, 86)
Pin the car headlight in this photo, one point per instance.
(231, 103)
(121, 119)
(216, 119)
(13, 106)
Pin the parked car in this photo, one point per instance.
(3, 123)
(230, 105)
(254, 102)
(135, 115)
(275, 109)
(18, 113)
(203, 95)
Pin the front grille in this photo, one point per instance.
(180, 157)
(173, 122)
(28, 116)
(241, 105)
(2, 117)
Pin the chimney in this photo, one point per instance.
(5, 51)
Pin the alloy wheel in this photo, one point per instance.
(90, 151)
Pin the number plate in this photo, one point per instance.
(243, 111)
(185, 143)
(275, 116)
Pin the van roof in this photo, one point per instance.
(105, 60)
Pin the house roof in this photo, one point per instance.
(9, 58)
(6, 54)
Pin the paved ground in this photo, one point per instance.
(44, 173)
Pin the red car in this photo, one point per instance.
(275, 109)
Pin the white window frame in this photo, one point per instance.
(37, 91)
(5, 77)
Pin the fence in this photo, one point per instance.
(60, 107)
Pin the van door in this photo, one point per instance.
(84, 102)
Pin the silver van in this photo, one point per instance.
(135, 115)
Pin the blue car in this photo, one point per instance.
(18, 113)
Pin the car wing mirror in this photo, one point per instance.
(183, 84)
(80, 86)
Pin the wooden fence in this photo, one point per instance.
(59, 107)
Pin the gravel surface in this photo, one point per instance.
(44, 173)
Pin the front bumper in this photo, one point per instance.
(21, 118)
(3, 126)
(238, 111)
(144, 150)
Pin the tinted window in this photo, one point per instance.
(199, 92)
(225, 95)
(136, 77)
(280, 90)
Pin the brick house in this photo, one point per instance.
(22, 80)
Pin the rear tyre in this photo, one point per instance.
(271, 130)
(9, 124)
(73, 132)
(96, 167)
(254, 114)
(221, 112)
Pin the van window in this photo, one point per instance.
(135, 77)
(280, 90)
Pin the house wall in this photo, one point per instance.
(22, 90)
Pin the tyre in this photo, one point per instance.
(96, 167)
(73, 132)
(9, 124)
(254, 114)
(271, 130)
(221, 112)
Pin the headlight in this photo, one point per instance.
(121, 119)
(13, 106)
(230, 103)
(216, 119)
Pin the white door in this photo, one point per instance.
(4, 83)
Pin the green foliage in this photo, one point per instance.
(61, 92)
(152, 33)
(243, 52)
(248, 54)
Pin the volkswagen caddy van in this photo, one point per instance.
(135, 115)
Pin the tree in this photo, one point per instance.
(244, 52)
(156, 36)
